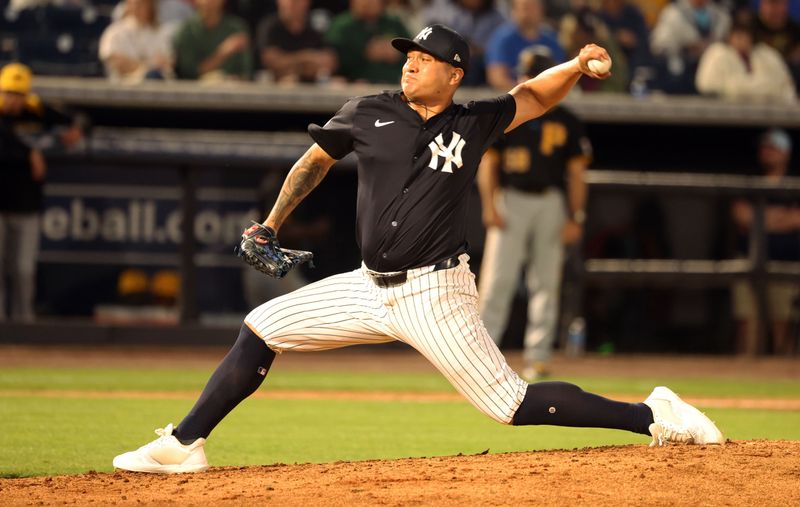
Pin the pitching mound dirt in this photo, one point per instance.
(738, 473)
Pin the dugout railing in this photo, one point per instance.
(757, 268)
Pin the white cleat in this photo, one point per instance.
(165, 455)
(675, 421)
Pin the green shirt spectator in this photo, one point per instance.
(201, 49)
(364, 46)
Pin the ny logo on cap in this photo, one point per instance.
(424, 33)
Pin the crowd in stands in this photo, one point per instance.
(736, 49)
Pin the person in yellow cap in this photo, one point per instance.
(22, 173)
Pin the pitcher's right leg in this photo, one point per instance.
(341, 310)
(337, 311)
(181, 449)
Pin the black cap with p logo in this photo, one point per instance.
(442, 42)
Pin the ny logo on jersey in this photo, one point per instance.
(423, 34)
(451, 153)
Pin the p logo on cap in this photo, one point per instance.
(440, 41)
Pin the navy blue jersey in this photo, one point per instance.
(414, 176)
(535, 154)
(19, 192)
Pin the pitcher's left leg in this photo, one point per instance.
(564, 404)
(436, 313)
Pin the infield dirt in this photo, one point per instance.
(740, 473)
(736, 474)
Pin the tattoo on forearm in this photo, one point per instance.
(302, 179)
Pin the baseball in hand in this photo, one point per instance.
(599, 67)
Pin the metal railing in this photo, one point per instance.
(756, 268)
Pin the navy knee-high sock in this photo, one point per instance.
(238, 375)
(563, 404)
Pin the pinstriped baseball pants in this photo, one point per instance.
(435, 312)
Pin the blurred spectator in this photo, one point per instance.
(533, 196)
(782, 224)
(436, 10)
(651, 9)
(629, 29)
(22, 174)
(170, 13)
(137, 47)
(476, 21)
(554, 10)
(212, 45)
(21, 5)
(334, 7)
(794, 8)
(411, 12)
(507, 42)
(776, 28)
(290, 48)
(362, 39)
(251, 11)
(739, 69)
(584, 27)
(683, 32)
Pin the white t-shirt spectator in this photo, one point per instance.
(21, 5)
(146, 44)
(676, 28)
(171, 13)
(723, 71)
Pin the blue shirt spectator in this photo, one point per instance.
(794, 8)
(525, 30)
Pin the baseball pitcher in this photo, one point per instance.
(418, 153)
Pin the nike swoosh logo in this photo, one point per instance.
(379, 123)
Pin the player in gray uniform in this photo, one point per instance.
(528, 181)
(418, 153)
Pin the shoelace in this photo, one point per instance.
(163, 433)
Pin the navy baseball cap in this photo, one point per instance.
(442, 42)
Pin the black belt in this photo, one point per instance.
(393, 280)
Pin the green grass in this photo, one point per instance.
(194, 379)
(48, 436)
